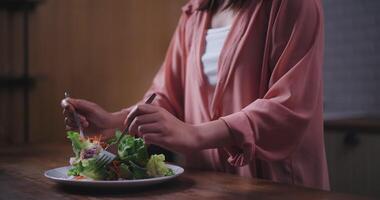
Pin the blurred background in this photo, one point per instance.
(108, 51)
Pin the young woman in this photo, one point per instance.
(240, 91)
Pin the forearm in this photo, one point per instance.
(117, 118)
(214, 134)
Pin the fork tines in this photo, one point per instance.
(104, 159)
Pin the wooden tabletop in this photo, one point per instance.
(22, 168)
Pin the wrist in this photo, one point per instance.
(117, 119)
(198, 138)
(213, 134)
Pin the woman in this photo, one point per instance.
(239, 91)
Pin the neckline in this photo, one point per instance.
(220, 29)
(212, 112)
(214, 107)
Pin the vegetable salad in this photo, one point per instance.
(132, 160)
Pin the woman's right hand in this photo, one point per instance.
(93, 118)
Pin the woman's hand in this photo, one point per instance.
(93, 118)
(157, 126)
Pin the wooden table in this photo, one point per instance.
(22, 168)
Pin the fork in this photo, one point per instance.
(105, 157)
(149, 100)
(76, 118)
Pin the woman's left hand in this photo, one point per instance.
(157, 126)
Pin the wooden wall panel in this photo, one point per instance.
(11, 60)
(106, 51)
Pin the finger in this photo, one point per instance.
(153, 138)
(70, 122)
(71, 116)
(142, 119)
(85, 124)
(69, 110)
(65, 104)
(81, 105)
(139, 110)
(83, 121)
(66, 112)
(149, 128)
(69, 128)
(70, 119)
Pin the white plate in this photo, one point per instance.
(59, 175)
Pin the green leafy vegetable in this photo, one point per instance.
(125, 172)
(75, 170)
(77, 142)
(115, 139)
(80, 166)
(91, 170)
(156, 166)
(132, 161)
(137, 171)
(96, 174)
(133, 149)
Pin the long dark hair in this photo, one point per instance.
(215, 5)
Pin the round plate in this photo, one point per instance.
(59, 175)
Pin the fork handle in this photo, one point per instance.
(76, 118)
(149, 100)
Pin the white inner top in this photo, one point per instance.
(215, 39)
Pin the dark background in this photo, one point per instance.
(352, 71)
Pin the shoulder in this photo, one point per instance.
(299, 13)
(300, 7)
(297, 21)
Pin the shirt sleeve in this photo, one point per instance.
(270, 128)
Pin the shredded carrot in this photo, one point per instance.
(116, 171)
(95, 138)
(104, 145)
(98, 139)
(116, 167)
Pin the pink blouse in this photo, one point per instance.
(269, 90)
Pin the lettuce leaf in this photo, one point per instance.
(137, 171)
(116, 138)
(77, 142)
(132, 154)
(125, 172)
(133, 149)
(75, 170)
(156, 166)
(91, 170)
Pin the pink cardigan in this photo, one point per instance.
(269, 90)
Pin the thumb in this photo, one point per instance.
(81, 105)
